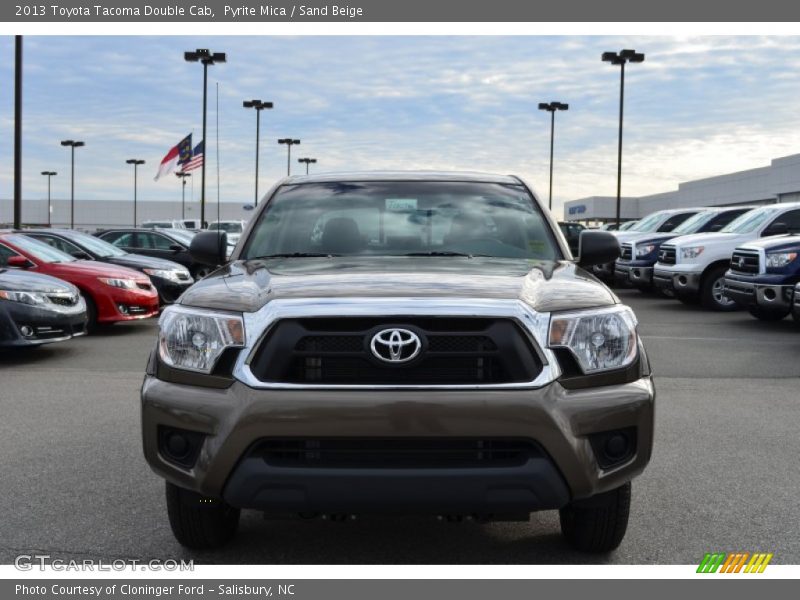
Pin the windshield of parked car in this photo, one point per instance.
(95, 245)
(649, 224)
(749, 221)
(402, 218)
(227, 227)
(694, 223)
(39, 250)
(628, 225)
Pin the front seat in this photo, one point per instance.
(341, 236)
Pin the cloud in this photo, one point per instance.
(697, 106)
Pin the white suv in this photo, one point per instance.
(693, 266)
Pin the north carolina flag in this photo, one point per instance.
(177, 155)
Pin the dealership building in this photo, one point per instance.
(778, 182)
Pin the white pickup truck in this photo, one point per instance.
(693, 266)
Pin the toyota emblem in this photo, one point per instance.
(395, 345)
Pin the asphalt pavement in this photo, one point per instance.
(724, 476)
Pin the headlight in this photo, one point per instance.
(33, 298)
(644, 250)
(777, 260)
(194, 339)
(126, 284)
(691, 252)
(170, 274)
(600, 339)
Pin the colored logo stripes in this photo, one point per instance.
(735, 562)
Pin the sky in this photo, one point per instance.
(697, 106)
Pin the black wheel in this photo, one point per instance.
(765, 314)
(199, 522)
(597, 524)
(712, 291)
(91, 313)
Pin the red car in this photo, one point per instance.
(112, 293)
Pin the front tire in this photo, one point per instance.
(764, 314)
(599, 523)
(91, 314)
(198, 522)
(712, 291)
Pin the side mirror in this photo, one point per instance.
(18, 262)
(597, 248)
(777, 228)
(80, 255)
(176, 248)
(209, 248)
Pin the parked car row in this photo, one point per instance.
(722, 258)
(58, 283)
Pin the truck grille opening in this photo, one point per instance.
(744, 261)
(667, 255)
(395, 452)
(455, 351)
(627, 252)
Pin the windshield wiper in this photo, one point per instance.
(295, 255)
(442, 253)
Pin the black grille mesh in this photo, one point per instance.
(455, 351)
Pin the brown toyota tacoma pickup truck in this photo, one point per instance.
(399, 343)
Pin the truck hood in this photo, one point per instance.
(715, 238)
(773, 243)
(650, 238)
(545, 286)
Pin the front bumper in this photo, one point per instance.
(636, 275)
(45, 326)
(678, 281)
(234, 419)
(775, 297)
(115, 304)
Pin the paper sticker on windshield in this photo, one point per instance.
(401, 204)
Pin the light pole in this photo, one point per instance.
(259, 106)
(17, 132)
(206, 57)
(552, 107)
(72, 144)
(135, 162)
(49, 175)
(620, 58)
(308, 161)
(183, 175)
(289, 143)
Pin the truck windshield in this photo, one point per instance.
(650, 223)
(695, 222)
(749, 221)
(402, 218)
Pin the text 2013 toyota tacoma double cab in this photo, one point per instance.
(400, 343)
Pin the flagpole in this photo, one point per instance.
(204, 158)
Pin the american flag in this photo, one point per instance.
(195, 161)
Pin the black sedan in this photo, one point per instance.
(169, 278)
(38, 309)
(169, 244)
